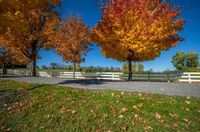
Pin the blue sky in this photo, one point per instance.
(90, 13)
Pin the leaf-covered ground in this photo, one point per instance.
(37, 107)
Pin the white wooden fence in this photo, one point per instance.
(97, 75)
(44, 74)
(109, 75)
(190, 77)
(78, 75)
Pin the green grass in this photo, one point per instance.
(38, 107)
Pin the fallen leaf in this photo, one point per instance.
(188, 122)
(62, 110)
(139, 105)
(136, 116)
(142, 98)
(124, 110)
(198, 110)
(91, 111)
(187, 109)
(175, 125)
(187, 102)
(121, 116)
(70, 110)
(158, 116)
(147, 128)
(133, 123)
(161, 121)
(124, 127)
(73, 111)
(113, 94)
(188, 97)
(146, 122)
(135, 107)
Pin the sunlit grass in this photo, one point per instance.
(35, 107)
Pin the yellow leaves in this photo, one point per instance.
(158, 116)
(17, 13)
(62, 110)
(187, 102)
(121, 116)
(148, 128)
(112, 94)
(124, 110)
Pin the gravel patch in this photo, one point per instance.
(182, 89)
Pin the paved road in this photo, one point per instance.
(147, 87)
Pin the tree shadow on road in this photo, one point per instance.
(86, 82)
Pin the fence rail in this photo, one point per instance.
(185, 77)
(100, 75)
(190, 77)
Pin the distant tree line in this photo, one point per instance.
(55, 65)
(136, 68)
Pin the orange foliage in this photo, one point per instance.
(28, 26)
(72, 40)
(137, 30)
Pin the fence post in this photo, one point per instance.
(176, 76)
(168, 79)
(149, 77)
(113, 76)
(189, 76)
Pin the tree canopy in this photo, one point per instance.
(137, 30)
(183, 61)
(28, 26)
(73, 40)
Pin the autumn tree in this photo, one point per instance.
(29, 26)
(73, 41)
(137, 30)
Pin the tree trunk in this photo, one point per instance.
(33, 58)
(4, 70)
(74, 70)
(33, 67)
(129, 70)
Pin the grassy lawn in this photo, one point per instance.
(37, 107)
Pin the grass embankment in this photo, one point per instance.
(36, 107)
